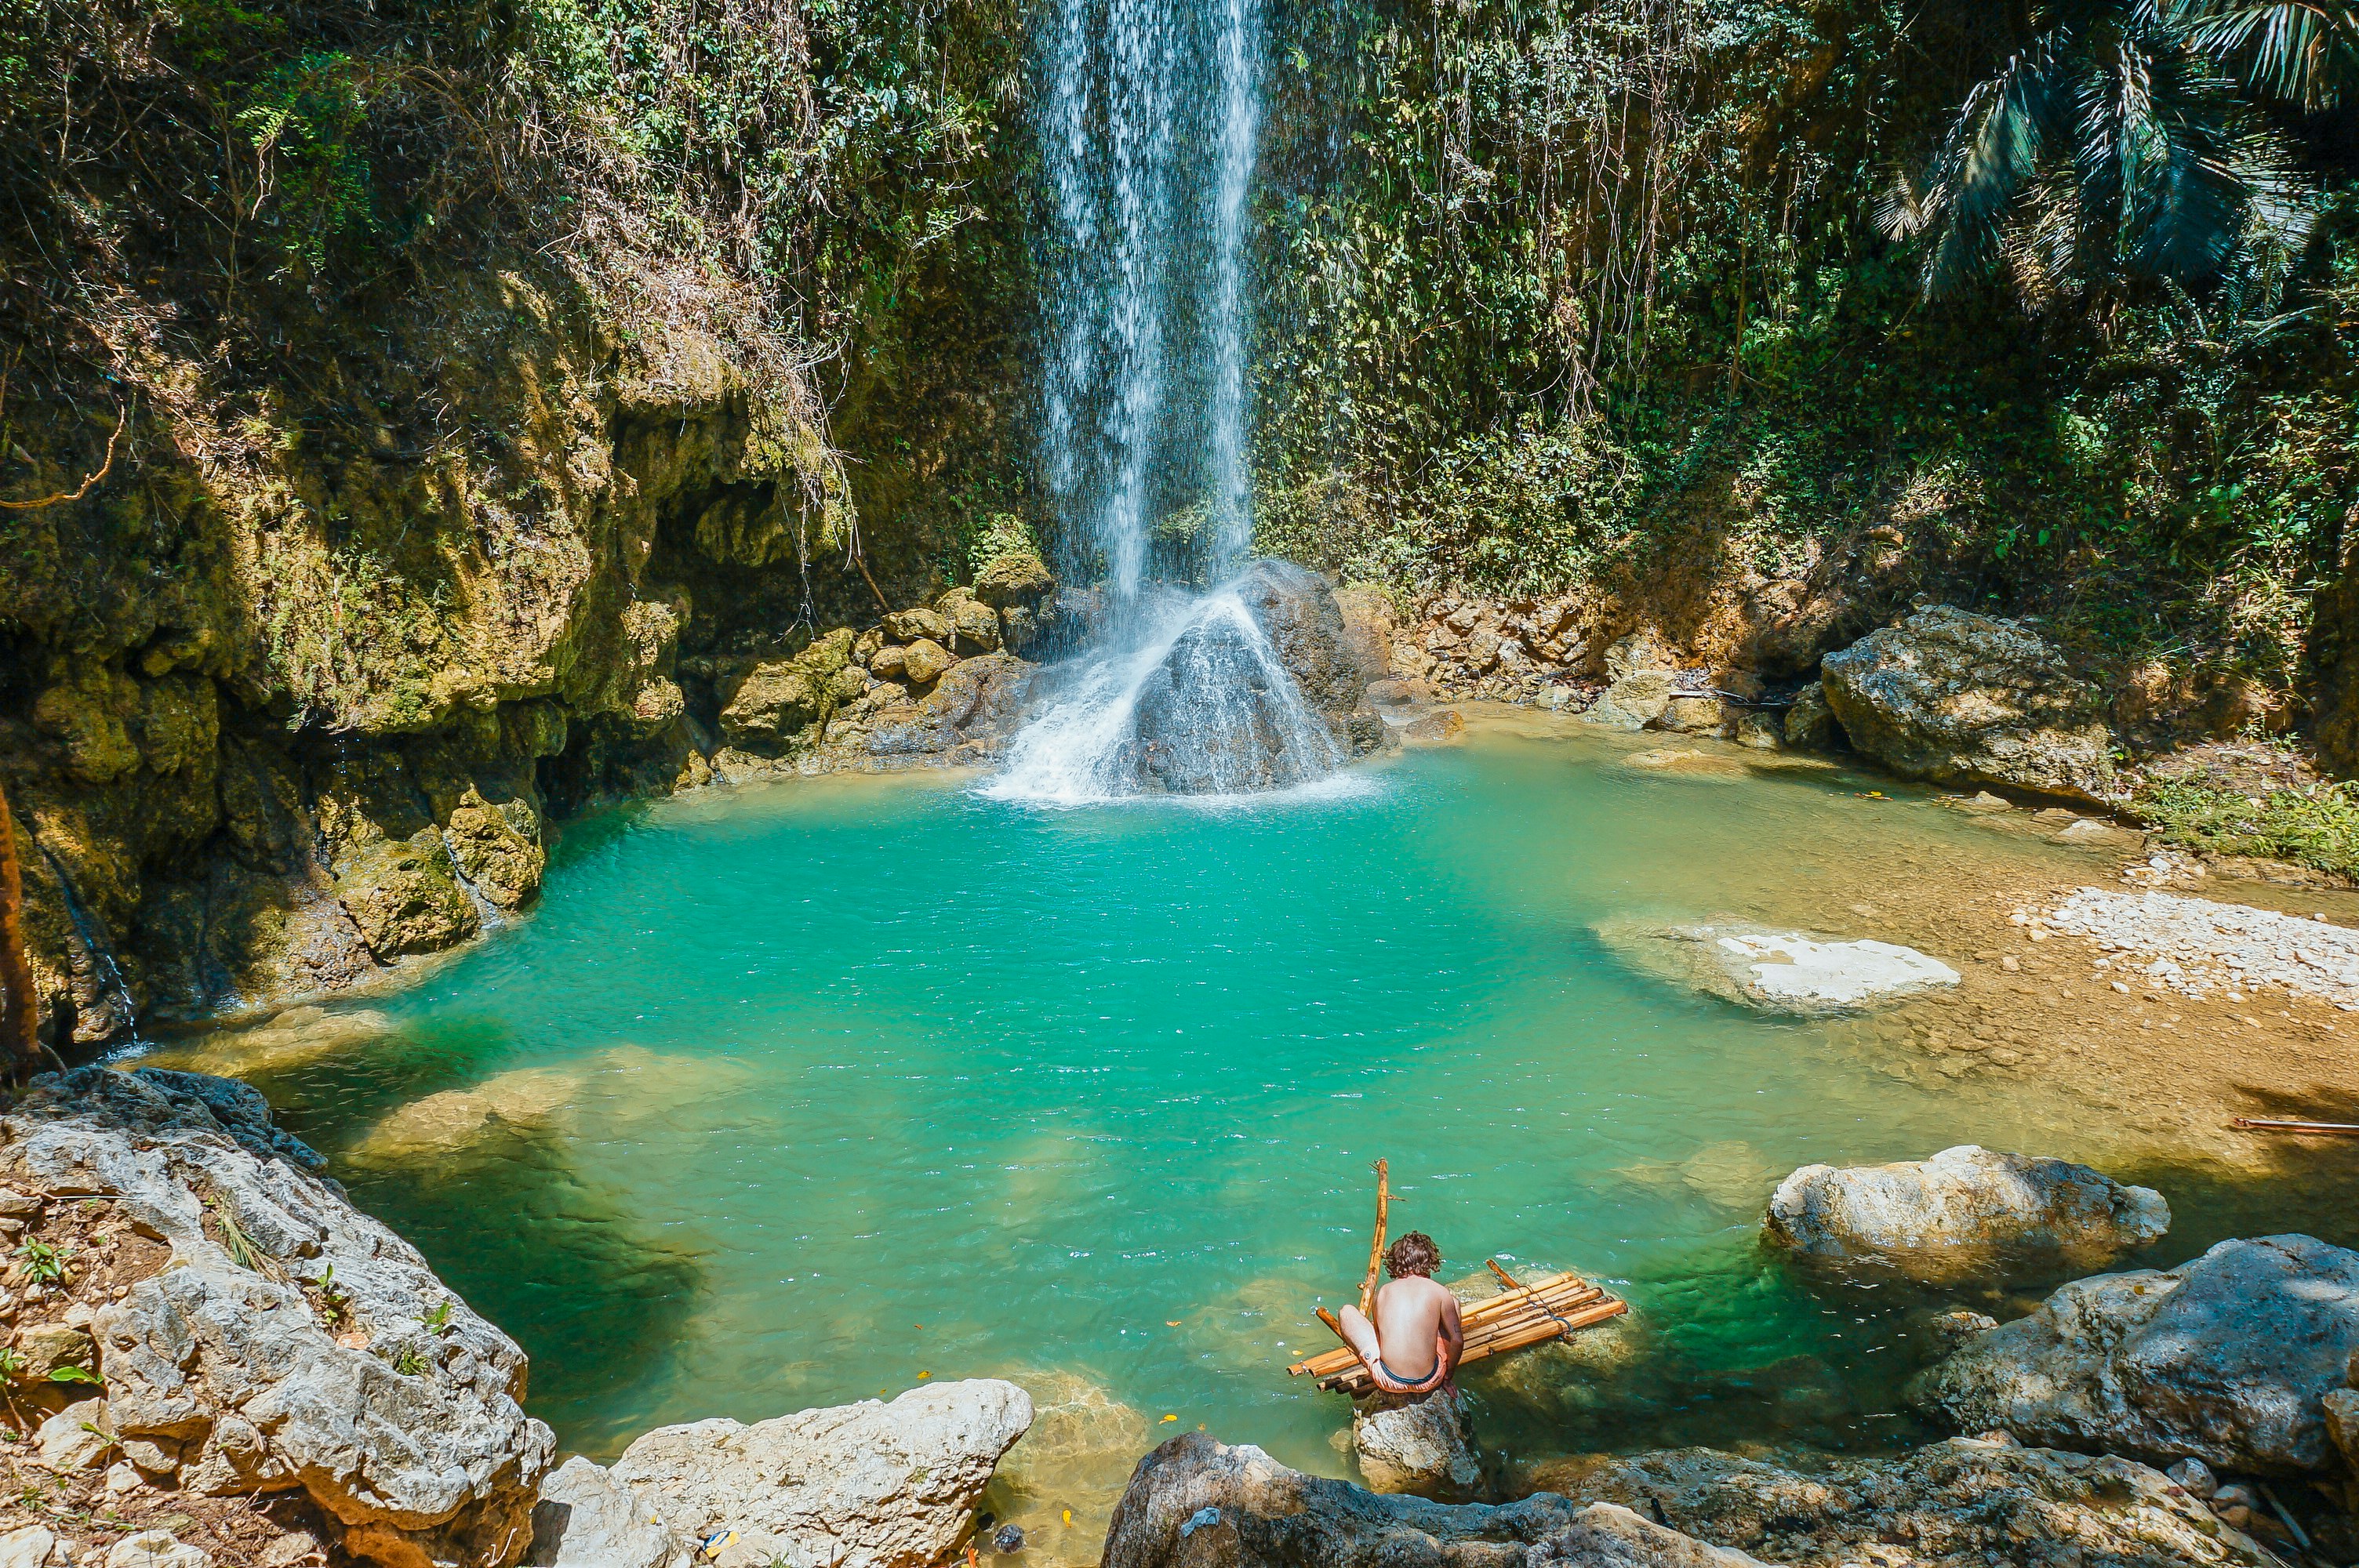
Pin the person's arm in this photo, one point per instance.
(1453, 1334)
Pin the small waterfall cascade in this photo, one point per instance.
(1151, 111)
(1197, 703)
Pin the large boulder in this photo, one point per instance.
(863, 1485)
(1196, 1503)
(2227, 1358)
(1949, 1216)
(1961, 1504)
(1958, 698)
(1641, 677)
(1217, 717)
(289, 1341)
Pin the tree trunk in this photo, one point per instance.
(19, 1020)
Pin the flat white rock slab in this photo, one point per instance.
(1802, 973)
(1790, 967)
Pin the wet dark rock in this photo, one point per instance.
(2228, 1359)
(1197, 1503)
(1297, 611)
(1215, 718)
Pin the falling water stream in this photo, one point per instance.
(1153, 109)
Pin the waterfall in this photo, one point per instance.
(1151, 110)
(1149, 120)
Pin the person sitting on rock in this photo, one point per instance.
(1416, 1320)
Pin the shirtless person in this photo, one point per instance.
(1415, 1342)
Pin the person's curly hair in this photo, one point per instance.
(1413, 1254)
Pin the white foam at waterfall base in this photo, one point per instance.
(1236, 727)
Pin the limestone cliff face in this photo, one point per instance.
(290, 697)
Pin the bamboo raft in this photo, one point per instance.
(1521, 1315)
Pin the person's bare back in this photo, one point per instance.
(1416, 1340)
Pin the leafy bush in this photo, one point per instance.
(2316, 827)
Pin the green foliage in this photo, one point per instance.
(1598, 295)
(75, 1375)
(437, 1321)
(410, 1363)
(2316, 827)
(2304, 50)
(2105, 149)
(302, 121)
(45, 1264)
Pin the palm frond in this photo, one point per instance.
(2303, 51)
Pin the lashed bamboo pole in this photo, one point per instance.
(1376, 1247)
(20, 1026)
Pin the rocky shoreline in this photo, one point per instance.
(216, 1361)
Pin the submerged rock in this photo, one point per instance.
(2227, 1358)
(1203, 1504)
(245, 1366)
(861, 1485)
(1416, 1445)
(1946, 1217)
(1965, 1503)
(1780, 971)
(1954, 697)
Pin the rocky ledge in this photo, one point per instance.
(1966, 1503)
(241, 1330)
(227, 1363)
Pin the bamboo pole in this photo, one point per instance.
(2331, 1129)
(1376, 1247)
(19, 1023)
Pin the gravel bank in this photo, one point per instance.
(2199, 947)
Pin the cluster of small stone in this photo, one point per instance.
(2197, 947)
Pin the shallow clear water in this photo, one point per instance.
(791, 1096)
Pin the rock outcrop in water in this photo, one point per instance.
(1958, 698)
(2227, 1358)
(1807, 974)
(1953, 1216)
(1260, 684)
(1416, 1445)
(1197, 1503)
(863, 1485)
(278, 1339)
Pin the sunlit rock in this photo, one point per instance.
(1954, 697)
(1946, 1217)
(1203, 1504)
(1959, 1504)
(1416, 1445)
